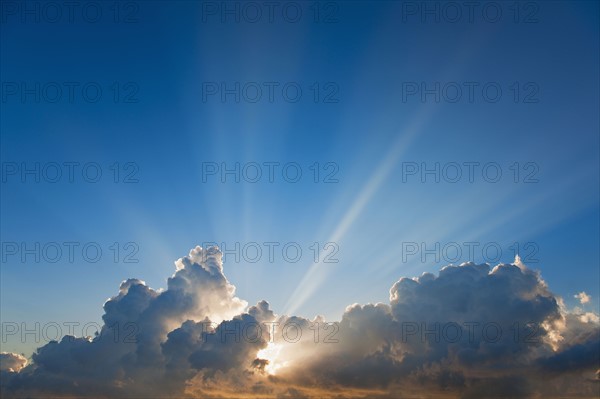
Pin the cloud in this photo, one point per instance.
(470, 331)
(12, 362)
(471, 328)
(583, 297)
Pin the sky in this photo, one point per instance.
(328, 148)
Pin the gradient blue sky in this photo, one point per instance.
(369, 52)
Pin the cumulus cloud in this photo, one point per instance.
(583, 297)
(12, 362)
(469, 331)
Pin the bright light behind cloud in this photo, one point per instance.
(383, 199)
(271, 354)
(370, 348)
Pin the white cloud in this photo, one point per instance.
(583, 297)
(12, 362)
(469, 330)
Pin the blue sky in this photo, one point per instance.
(369, 56)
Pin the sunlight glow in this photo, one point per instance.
(271, 353)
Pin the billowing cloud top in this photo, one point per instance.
(12, 362)
(470, 331)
